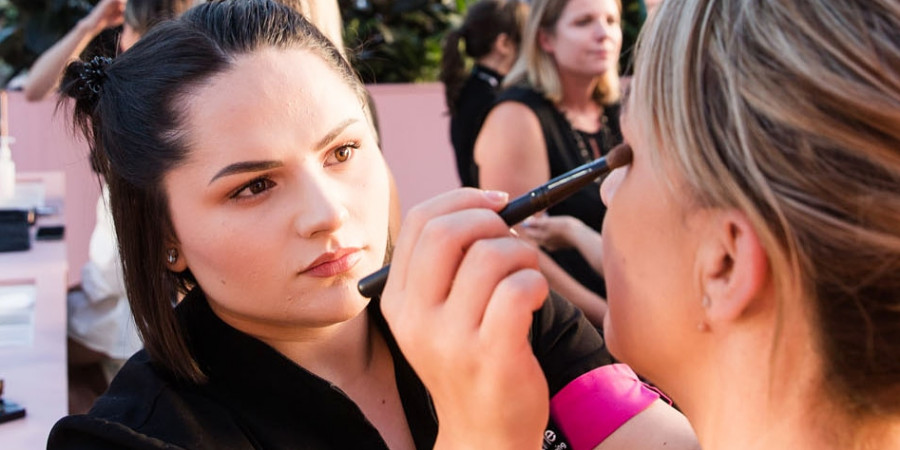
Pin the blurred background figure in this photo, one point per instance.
(45, 73)
(491, 34)
(560, 111)
(101, 330)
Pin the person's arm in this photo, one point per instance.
(45, 73)
(596, 403)
(659, 427)
(559, 232)
(592, 305)
(512, 157)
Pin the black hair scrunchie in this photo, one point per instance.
(93, 74)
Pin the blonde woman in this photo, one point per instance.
(752, 247)
(561, 111)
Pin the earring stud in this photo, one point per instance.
(172, 256)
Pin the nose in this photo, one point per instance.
(611, 184)
(601, 30)
(322, 208)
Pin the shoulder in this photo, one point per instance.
(144, 408)
(518, 106)
(523, 94)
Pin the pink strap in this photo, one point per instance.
(594, 405)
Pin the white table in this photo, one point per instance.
(35, 375)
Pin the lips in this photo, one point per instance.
(333, 263)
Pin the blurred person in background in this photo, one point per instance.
(560, 111)
(492, 34)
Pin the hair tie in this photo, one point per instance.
(93, 74)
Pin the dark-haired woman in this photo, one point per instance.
(491, 34)
(244, 173)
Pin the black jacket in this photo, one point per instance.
(258, 399)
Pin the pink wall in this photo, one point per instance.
(414, 134)
(44, 142)
(415, 138)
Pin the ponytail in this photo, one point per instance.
(453, 69)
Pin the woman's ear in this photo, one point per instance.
(503, 45)
(546, 41)
(734, 268)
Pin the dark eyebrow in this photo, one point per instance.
(335, 132)
(259, 166)
(246, 166)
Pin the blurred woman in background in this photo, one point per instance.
(492, 34)
(560, 111)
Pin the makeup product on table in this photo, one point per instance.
(538, 199)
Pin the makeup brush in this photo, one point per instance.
(539, 198)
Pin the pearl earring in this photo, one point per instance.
(172, 256)
(706, 302)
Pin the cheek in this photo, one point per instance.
(372, 199)
(630, 314)
(221, 250)
(641, 269)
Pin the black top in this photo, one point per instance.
(256, 398)
(475, 100)
(567, 149)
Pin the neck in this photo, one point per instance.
(756, 389)
(337, 353)
(578, 92)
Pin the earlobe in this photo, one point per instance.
(735, 268)
(175, 261)
(545, 40)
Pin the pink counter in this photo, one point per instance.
(35, 374)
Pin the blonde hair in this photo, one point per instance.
(538, 69)
(789, 110)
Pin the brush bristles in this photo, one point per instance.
(619, 156)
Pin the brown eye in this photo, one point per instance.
(258, 186)
(342, 154)
(253, 188)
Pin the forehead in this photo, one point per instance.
(594, 6)
(268, 94)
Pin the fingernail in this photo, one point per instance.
(496, 196)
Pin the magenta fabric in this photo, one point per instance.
(594, 405)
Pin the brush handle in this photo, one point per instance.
(538, 199)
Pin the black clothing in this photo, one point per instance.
(256, 398)
(567, 149)
(475, 100)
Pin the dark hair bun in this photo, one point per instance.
(83, 81)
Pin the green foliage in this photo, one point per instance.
(390, 41)
(29, 27)
(398, 41)
(634, 13)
